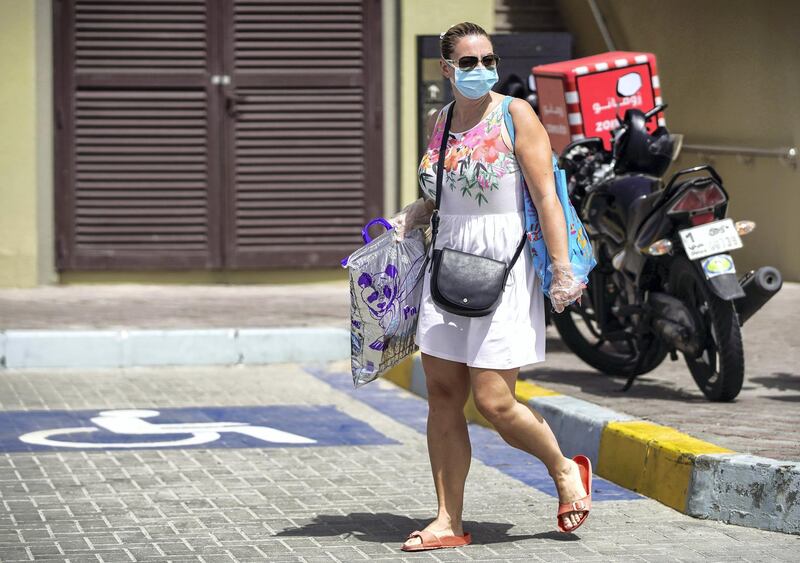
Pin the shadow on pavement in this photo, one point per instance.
(556, 345)
(384, 527)
(600, 385)
(779, 380)
(557, 536)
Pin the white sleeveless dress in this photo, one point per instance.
(481, 212)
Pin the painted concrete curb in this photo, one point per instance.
(21, 349)
(692, 476)
(577, 424)
(747, 490)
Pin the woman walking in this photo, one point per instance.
(481, 212)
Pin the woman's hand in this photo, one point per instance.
(398, 223)
(565, 289)
(415, 215)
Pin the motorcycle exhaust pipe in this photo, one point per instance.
(759, 287)
(673, 323)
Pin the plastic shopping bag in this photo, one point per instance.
(385, 292)
(581, 255)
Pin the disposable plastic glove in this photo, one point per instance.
(565, 288)
(415, 215)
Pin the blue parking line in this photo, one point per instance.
(487, 445)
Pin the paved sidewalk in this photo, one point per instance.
(240, 501)
(175, 306)
(762, 421)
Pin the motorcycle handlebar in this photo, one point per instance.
(658, 109)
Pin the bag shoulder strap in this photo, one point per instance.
(509, 121)
(507, 118)
(439, 175)
(442, 149)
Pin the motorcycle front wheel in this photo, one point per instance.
(719, 369)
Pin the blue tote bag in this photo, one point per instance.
(581, 255)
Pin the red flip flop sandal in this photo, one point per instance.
(432, 541)
(582, 504)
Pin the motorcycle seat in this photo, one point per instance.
(633, 198)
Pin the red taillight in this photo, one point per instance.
(699, 199)
(701, 218)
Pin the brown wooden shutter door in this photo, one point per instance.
(158, 167)
(304, 168)
(137, 181)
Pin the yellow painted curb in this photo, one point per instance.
(651, 459)
(401, 373)
(525, 391)
(472, 413)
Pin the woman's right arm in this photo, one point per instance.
(417, 214)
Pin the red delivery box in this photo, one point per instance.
(582, 97)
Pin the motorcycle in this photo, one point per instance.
(665, 281)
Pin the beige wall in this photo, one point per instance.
(730, 74)
(26, 144)
(422, 17)
(19, 214)
(46, 261)
(727, 68)
(390, 28)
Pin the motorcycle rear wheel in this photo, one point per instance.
(604, 356)
(719, 370)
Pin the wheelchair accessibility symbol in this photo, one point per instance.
(250, 426)
(128, 422)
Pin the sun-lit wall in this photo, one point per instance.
(25, 243)
(727, 67)
(730, 74)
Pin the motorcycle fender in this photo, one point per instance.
(720, 274)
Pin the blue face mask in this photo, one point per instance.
(475, 83)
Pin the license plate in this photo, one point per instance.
(711, 238)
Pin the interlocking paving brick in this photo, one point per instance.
(762, 420)
(343, 503)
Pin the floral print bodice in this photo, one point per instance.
(481, 174)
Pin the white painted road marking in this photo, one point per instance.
(131, 422)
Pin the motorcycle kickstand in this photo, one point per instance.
(628, 383)
(636, 369)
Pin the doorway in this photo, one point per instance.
(204, 134)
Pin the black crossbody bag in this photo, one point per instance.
(461, 283)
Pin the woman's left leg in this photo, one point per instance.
(525, 429)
